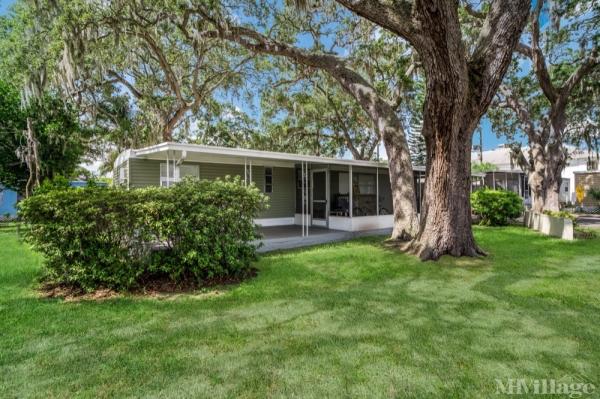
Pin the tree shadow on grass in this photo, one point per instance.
(351, 319)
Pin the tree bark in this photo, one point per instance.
(460, 88)
(446, 213)
(406, 223)
(537, 175)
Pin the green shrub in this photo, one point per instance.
(109, 237)
(496, 207)
(594, 193)
(58, 182)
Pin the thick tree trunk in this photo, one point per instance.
(553, 179)
(537, 176)
(556, 156)
(548, 159)
(545, 176)
(450, 116)
(406, 224)
(446, 213)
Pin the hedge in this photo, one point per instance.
(496, 207)
(113, 238)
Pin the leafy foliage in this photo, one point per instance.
(58, 182)
(562, 215)
(496, 207)
(62, 142)
(594, 193)
(416, 144)
(483, 167)
(108, 237)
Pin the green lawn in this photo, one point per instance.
(342, 320)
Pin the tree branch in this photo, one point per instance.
(537, 56)
(498, 37)
(135, 92)
(586, 67)
(395, 16)
(521, 111)
(473, 12)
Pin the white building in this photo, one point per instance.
(578, 162)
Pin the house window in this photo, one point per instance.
(169, 173)
(189, 170)
(176, 172)
(268, 180)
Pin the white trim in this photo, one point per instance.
(350, 191)
(361, 223)
(167, 179)
(299, 219)
(266, 222)
(377, 191)
(239, 152)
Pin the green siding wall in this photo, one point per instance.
(282, 200)
(211, 171)
(145, 172)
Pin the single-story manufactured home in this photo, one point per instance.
(308, 191)
(338, 194)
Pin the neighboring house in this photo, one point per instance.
(577, 162)
(8, 202)
(339, 194)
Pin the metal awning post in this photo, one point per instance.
(168, 178)
(521, 186)
(302, 195)
(377, 190)
(350, 191)
(494, 180)
(245, 171)
(307, 185)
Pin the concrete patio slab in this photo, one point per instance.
(288, 237)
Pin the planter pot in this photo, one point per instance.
(549, 225)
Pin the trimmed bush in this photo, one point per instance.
(109, 237)
(496, 207)
(594, 193)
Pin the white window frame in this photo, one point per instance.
(123, 174)
(165, 181)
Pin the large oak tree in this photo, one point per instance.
(461, 80)
(561, 55)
